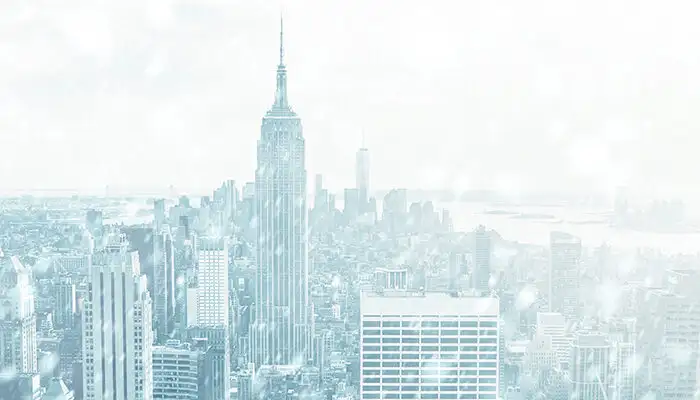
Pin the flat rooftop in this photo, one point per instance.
(426, 303)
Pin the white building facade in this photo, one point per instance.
(212, 282)
(176, 371)
(117, 331)
(429, 345)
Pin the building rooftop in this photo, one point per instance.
(550, 318)
(426, 303)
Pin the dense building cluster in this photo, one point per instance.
(254, 293)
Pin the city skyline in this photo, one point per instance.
(184, 99)
(523, 284)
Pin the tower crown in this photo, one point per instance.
(281, 105)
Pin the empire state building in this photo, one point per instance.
(282, 325)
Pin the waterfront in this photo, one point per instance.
(587, 223)
(579, 222)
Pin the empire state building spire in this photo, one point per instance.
(281, 101)
(281, 42)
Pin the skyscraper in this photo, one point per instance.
(212, 279)
(482, 260)
(18, 347)
(362, 177)
(158, 213)
(117, 331)
(282, 316)
(565, 261)
(590, 366)
(65, 306)
(164, 285)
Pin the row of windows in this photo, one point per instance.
(482, 346)
(448, 376)
(482, 374)
(430, 332)
(462, 380)
(418, 356)
(443, 364)
(424, 356)
(430, 324)
(427, 340)
(395, 364)
(449, 395)
(412, 343)
(423, 389)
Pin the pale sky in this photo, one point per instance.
(466, 94)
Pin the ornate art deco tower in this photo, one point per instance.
(281, 330)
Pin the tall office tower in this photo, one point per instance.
(65, 302)
(623, 358)
(245, 383)
(164, 285)
(226, 200)
(159, 215)
(540, 355)
(554, 326)
(394, 209)
(482, 260)
(178, 372)
(351, 205)
(141, 239)
(668, 342)
(212, 282)
(320, 195)
(428, 345)
(18, 347)
(362, 177)
(117, 330)
(590, 366)
(212, 319)
(281, 332)
(70, 351)
(564, 269)
(213, 341)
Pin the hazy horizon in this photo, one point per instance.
(480, 95)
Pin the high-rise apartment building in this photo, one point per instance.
(212, 282)
(281, 332)
(65, 302)
(564, 271)
(554, 325)
(214, 342)
(668, 342)
(159, 216)
(178, 372)
(362, 177)
(590, 366)
(482, 260)
(164, 285)
(428, 345)
(623, 358)
(18, 345)
(117, 327)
